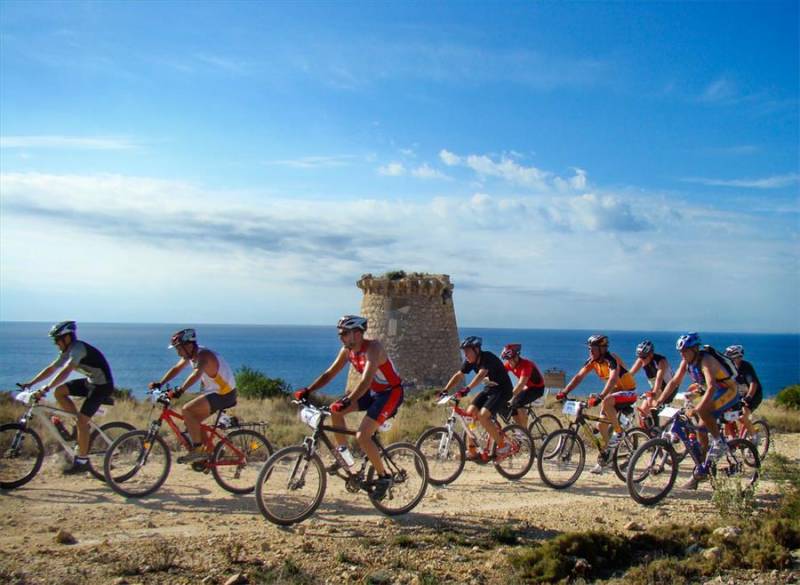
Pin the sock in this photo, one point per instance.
(81, 460)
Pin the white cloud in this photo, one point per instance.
(775, 182)
(394, 169)
(425, 171)
(449, 158)
(719, 90)
(66, 142)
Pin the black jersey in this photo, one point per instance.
(496, 370)
(747, 375)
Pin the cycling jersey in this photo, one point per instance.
(385, 378)
(89, 361)
(527, 368)
(607, 363)
(651, 370)
(495, 368)
(695, 370)
(224, 382)
(746, 376)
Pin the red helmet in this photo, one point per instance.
(511, 350)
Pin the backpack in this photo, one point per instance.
(724, 360)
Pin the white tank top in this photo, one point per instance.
(223, 382)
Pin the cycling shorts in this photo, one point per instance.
(524, 398)
(624, 398)
(220, 401)
(723, 399)
(754, 402)
(95, 394)
(493, 399)
(381, 406)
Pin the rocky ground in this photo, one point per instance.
(77, 531)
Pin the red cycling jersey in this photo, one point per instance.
(527, 368)
(385, 378)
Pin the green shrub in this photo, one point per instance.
(789, 397)
(251, 383)
(122, 394)
(395, 274)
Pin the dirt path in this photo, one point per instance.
(192, 531)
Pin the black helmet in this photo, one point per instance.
(63, 328)
(472, 341)
(597, 341)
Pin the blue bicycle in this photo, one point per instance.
(653, 467)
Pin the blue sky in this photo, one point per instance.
(571, 165)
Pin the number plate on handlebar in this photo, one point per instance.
(732, 415)
(444, 399)
(310, 416)
(668, 412)
(571, 408)
(24, 397)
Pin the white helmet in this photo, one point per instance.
(63, 328)
(645, 348)
(734, 352)
(183, 336)
(350, 322)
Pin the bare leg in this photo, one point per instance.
(195, 412)
(485, 417)
(338, 420)
(364, 438)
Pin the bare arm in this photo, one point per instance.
(637, 365)
(578, 378)
(675, 382)
(329, 374)
(521, 384)
(454, 381)
(206, 363)
(375, 356)
(171, 373)
(43, 375)
(62, 375)
(611, 384)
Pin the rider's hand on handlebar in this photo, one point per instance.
(340, 404)
(154, 385)
(302, 394)
(594, 400)
(24, 385)
(462, 392)
(561, 396)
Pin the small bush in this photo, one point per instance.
(732, 499)
(395, 274)
(404, 541)
(123, 394)
(504, 535)
(251, 383)
(789, 397)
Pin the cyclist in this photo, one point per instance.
(379, 392)
(619, 391)
(490, 400)
(530, 383)
(216, 379)
(96, 387)
(715, 379)
(658, 372)
(750, 388)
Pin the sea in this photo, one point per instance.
(138, 353)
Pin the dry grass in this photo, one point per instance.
(779, 419)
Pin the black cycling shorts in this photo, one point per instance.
(524, 398)
(95, 394)
(492, 399)
(220, 401)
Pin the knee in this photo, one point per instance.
(61, 392)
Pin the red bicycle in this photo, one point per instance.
(138, 462)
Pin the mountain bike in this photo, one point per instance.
(733, 429)
(293, 481)
(653, 467)
(445, 450)
(22, 451)
(562, 456)
(138, 462)
(539, 425)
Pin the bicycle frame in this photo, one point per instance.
(581, 422)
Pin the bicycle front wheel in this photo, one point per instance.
(290, 486)
(516, 465)
(631, 440)
(651, 471)
(741, 463)
(444, 452)
(409, 471)
(566, 457)
(762, 428)
(238, 458)
(137, 464)
(99, 442)
(21, 455)
(540, 428)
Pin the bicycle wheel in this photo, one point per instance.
(565, 460)
(409, 472)
(741, 463)
(516, 465)
(98, 444)
(630, 441)
(21, 455)
(290, 486)
(762, 428)
(651, 471)
(137, 464)
(238, 458)
(540, 427)
(445, 454)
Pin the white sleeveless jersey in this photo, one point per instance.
(223, 382)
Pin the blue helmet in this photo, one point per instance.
(687, 341)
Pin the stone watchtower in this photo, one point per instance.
(413, 316)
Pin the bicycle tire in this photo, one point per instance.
(566, 442)
(747, 465)
(256, 450)
(96, 452)
(400, 470)
(540, 427)
(630, 441)
(762, 428)
(525, 456)
(127, 460)
(12, 475)
(291, 457)
(430, 445)
(634, 479)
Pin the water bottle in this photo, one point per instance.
(624, 421)
(62, 430)
(346, 455)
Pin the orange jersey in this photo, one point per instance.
(605, 364)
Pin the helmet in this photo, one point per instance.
(597, 340)
(181, 337)
(645, 348)
(63, 328)
(734, 352)
(511, 350)
(687, 341)
(472, 341)
(350, 322)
